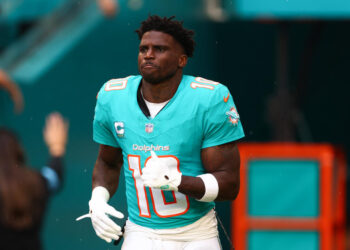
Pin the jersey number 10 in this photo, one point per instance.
(162, 208)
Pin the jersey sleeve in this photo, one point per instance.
(222, 123)
(53, 174)
(102, 128)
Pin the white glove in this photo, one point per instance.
(161, 173)
(104, 227)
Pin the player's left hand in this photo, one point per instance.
(161, 173)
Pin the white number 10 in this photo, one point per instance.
(162, 208)
(203, 83)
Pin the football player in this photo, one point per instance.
(174, 136)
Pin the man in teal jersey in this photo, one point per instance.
(174, 136)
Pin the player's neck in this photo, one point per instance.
(160, 92)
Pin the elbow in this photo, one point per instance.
(235, 192)
(235, 184)
(232, 193)
(229, 192)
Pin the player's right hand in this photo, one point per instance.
(159, 173)
(99, 213)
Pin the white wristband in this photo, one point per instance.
(100, 193)
(211, 187)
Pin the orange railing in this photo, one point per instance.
(330, 223)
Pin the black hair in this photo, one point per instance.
(21, 189)
(172, 27)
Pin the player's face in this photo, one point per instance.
(160, 57)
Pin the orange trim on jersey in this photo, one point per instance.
(133, 176)
(204, 80)
(170, 202)
(119, 84)
(195, 85)
(200, 82)
(172, 215)
(226, 98)
(187, 199)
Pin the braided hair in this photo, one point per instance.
(172, 27)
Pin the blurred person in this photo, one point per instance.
(11, 87)
(174, 136)
(24, 192)
(109, 8)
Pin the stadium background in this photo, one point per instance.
(290, 50)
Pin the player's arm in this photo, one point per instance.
(107, 168)
(223, 163)
(220, 182)
(105, 180)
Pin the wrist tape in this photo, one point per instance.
(211, 187)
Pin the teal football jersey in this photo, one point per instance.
(201, 114)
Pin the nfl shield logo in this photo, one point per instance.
(149, 127)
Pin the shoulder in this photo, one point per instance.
(117, 87)
(206, 91)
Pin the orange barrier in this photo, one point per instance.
(330, 224)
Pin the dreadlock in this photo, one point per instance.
(171, 27)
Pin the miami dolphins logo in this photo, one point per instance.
(233, 116)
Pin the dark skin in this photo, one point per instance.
(161, 61)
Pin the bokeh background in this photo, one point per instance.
(286, 63)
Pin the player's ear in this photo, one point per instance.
(182, 60)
